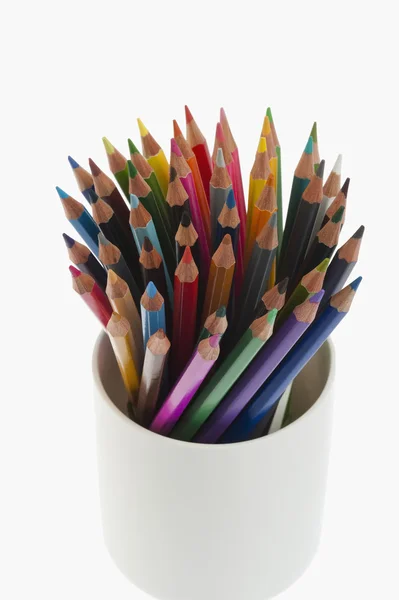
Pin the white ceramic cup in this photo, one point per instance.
(188, 521)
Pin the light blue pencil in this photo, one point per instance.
(152, 312)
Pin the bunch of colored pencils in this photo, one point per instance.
(212, 307)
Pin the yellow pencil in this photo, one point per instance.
(271, 148)
(120, 335)
(155, 157)
(265, 206)
(257, 179)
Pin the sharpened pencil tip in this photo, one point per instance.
(176, 129)
(131, 169)
(187, 256)
(151, 290)
(102, 240)
(214, 340)
(189, 116)
(61, 193)
(109, 149)
(95, 170)
(74, 271)
(337, 216)
(174, 148)
(132, 147)
(227, 239)
(134, 201)
(345, 187)
(73, 162)
(269, 114)
(262, 146)
(338, 165)
(359, 233)
(219, 133)
(271, 315)
(320, 169)
(222, 117)
(313, 132)
(309, 146)
(220, 158)
(69, 242)
(316, 298)
(282, 286)
(172, 174)
(322, 267)
(185, 219)
(230, 200)
(148, 247)
(355, 284)
(221, 311)
(142, 128)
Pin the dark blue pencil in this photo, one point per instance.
(84, 180)
(81, 220)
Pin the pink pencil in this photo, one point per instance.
(203, 359)
(185, 175)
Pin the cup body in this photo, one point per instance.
(188, 521)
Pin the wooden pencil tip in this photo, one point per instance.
(148, 247)
(187, 256)
(95, 171)
(222, 116)
(227, 239)
(176, 129)
(262, 146)
(355, 284)
(358, 234)
(214, 340)
(345, 187)
(270, 180)
(112, 277)
(220, 158)
(69, 242)
(109, 149)
(320, 169)
(282, 285)
(219, 132)
(131, 169)
(269, 114)
(337, 168)
(309, 146)
(132, 147)
(142, 128)
(63, 195)
(151, 290)
(134, 201)
(174, 148)
(74, 271)
(313, 132)
(185, 219)
(221, 311)
(189, 116)
(73, 162)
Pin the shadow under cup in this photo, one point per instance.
(188, 521)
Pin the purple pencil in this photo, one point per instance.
(259, 370)
(201, 362)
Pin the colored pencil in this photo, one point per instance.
(201, 362)
(118, 166)
(183, 171)
(110, 226)
(106, 189)
(311, 341)
(302, 176)
(200, 148)
(302, 227)
(220, 278)
(338, 202)
(185, 312)
(138, 187)
(85, 261)
(271, 149)
(267, 359)
(216, 323)
(316, 154)
(177, 199)
(275, 297)
(324, 243)
(228, 222)
(225, 377)
(220, 187)
(342, 265)
(258, 271)
(142, 226)
(84, 181)
(92, 295)
(154, 270)
(192, 163)
(187, 236)
(155, 360)
(122, 302)
(120, 335)
(279, 191)
(146, 171)
(112, 258)
(220, 143)
(152, 312)
(264, 207)
(257, 179)
(155, 156)
(237, 183)
(330, 190)
(310, 284)
(80, 219)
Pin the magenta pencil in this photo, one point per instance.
(178, 161)
(201, 362)
(259, 370)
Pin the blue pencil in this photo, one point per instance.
(84, 180)
(81, 220)
(152, 312)
(228, 222)
(267, 396)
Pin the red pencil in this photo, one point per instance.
(92, 295)
(184, 313)
(200, 148)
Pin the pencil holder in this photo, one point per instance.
(188, 521)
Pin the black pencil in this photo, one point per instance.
(81, 257)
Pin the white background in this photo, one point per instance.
(76, 71)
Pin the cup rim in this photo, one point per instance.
(221, 447)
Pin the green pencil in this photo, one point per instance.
(316, 154)
(147, 173)
(118, 166)
(225, 377)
